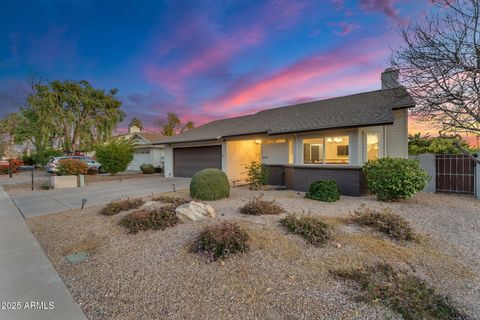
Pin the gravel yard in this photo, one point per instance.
(152, 274)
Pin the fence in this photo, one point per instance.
(456, 174)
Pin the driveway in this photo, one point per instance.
(38, 203)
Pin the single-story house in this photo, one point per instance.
(147, 150)
(302, 143)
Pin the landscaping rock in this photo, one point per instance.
(78, 257)
(195, 211)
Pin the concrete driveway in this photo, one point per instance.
(38, 203)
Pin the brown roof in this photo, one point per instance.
(357, 110)
(151, 137)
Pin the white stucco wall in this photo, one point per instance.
(239, 154)
(397, 135)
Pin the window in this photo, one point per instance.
(328, 150)
(372, 150)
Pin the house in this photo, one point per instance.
(147, 148)
(302, 143)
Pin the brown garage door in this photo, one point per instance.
(188, 161)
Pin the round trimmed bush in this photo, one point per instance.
(323, 190)
(209, 184)
(69, 167)
(147, 168)
(393, 179)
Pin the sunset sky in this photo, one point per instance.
(204, 59)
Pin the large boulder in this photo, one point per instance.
(209, 184)
(195, 211)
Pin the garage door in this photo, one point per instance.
(188, 161)
(139, 157)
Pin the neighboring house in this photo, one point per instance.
(146, 146)
(302, 143)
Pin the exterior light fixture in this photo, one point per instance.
(258, 141)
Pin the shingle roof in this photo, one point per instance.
(152, 137)
(369, 108)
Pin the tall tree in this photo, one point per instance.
(171, 125)
(137, 123)
(8, 126)
(440, 66)
(74, 113)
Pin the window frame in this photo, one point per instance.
(324, 151)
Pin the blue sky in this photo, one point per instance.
(203, 59)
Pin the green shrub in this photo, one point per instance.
(172, 200)
(313, 229)
(115, 207)
(45, 186)
(392, 179)
(393, 225)
(257, 175)
(28, 159)
(209, 184)
(257, 206)
(219, 241)
(323, 190)
(147, 168)
(115, 156)
(400, 291)
(41, 157)
(72, 167)
(152, 219)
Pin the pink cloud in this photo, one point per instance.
(303, 78)
(385, 6)
(345, 28)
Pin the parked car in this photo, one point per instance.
(53, 163)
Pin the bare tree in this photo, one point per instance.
(440, 66)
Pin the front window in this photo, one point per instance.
(372, 146)
(327, 150)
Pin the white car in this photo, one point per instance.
(53, 163)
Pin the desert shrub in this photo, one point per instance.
(257, 175)
(150, 219)
(393, 179)
(393, 225)
(72, 167)
(258, 206)
(16, 163)
(173, 200)
(115, 207)
(221, 240)
(147, 168)
(115, 156)
(313, 229)
(323, 190)
(45, 186)
(400, 291)
(209, 184)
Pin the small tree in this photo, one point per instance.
(137, 123)
(393, 179)
(257, 175)
(115, 156)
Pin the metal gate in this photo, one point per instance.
(455, 174)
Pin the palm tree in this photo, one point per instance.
(171, 125)
(137, 123)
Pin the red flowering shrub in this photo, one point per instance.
(15, 164)
(72, 167)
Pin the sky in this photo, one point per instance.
(203, 60)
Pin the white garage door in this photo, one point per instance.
(139, 157)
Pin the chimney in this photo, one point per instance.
(133, 129)
(390, 78)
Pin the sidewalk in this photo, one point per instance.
(26, 275)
